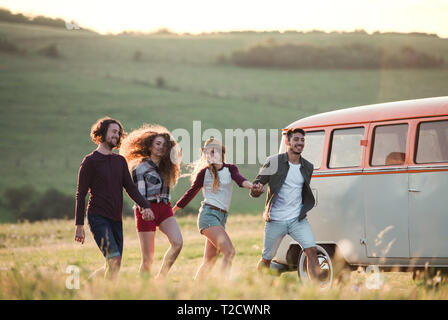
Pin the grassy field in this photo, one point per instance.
(47, 105)
(34, 260)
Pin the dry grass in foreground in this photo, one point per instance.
(34, 258)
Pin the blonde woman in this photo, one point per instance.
(152, 155)
(214, 177)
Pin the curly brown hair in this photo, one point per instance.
(99, 130)
(136, 147)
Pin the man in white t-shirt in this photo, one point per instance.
(289, 198)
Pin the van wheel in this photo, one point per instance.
(325, 264)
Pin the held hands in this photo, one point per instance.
(147, 214)
(79, 234)
(257, 189)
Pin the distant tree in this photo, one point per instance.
(160, 82)
(53, 204)
(424, 34)
(26, 203)
(138, 56)
(359, 31)
(50, 51)
(45, 21)
(164, 32)
(9, 47)
(8, 16)
(222, 59)
(18, 199)
(271, 54)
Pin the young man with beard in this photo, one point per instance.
(104, 174)
(289, 198)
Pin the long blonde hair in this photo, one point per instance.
(136, 147)
(202, 163)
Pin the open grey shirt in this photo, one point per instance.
(274, 172)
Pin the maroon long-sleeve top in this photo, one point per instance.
(220, 198)
(104, 177)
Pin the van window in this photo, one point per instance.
(346, 149)
(314, 146)
(389, 145)
(432, 143)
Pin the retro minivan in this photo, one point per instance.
(380, 182)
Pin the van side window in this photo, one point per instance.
(432, 142)
(346, 150)
(314, 146)
(389, 145)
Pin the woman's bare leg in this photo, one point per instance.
(171, 229)
(219, 238)
(211, 254)
(147, 249)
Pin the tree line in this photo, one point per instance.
(353, 56)
(8, 16)
(26, 203)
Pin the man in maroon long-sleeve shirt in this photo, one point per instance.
(103, 174)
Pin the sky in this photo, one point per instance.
(196, 16)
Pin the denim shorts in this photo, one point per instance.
(274, 232)
(209, 217)
(108, 235)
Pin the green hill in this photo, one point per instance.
(59, 82)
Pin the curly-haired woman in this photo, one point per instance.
(153, 159)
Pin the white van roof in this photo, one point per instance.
(407, 109)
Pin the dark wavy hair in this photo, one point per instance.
(99, 130)
(291, 131)
(136, 147)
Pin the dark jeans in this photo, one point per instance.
(108, 235)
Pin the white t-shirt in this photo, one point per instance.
(222, 197)
(288, 203)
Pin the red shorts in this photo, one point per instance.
(162, 211)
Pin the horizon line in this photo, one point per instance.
(172, 31)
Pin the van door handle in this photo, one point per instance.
(413, 190)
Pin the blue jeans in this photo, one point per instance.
(108, 235)
(274, 232)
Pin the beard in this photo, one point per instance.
(111, 144)
(296, 152)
